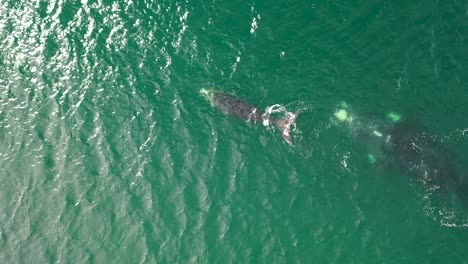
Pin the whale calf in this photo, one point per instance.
(232, 105)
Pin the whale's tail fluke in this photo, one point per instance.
(285, 125)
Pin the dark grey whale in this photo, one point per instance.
(411, 149)
(232, 105)
(428, 159)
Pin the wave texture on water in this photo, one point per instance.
(109, 154)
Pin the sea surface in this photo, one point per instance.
(109, 154)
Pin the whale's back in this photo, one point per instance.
(231, 105)
(429, 160)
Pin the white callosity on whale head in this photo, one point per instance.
(207, 94)
(343, 113)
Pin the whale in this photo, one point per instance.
(233, 106)
(427, 159)
(407, 146)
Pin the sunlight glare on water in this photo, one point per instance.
(109, 154)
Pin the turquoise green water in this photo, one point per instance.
(108, 154)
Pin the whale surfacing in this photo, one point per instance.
(409, 148)
(233, 106)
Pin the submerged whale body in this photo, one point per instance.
(410, 149)
(428, 160)
(232, 105)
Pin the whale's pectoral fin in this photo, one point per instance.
(285, 126)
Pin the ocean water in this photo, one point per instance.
(108, 153)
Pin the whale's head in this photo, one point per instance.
(208, 94)
(342, 114)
